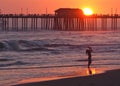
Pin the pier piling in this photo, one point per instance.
(34, 22)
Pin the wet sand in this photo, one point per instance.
(88, 77)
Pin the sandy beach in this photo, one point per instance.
(108, 78)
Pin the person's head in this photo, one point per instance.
(89, 47)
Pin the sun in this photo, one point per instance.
(88, 11)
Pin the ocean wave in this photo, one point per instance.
(22, 45)
(45, 45)
(26, 45)
(13, 64)
(4, 59)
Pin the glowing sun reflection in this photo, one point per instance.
(91, 71)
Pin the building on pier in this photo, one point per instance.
(69, 19)
(69, 12)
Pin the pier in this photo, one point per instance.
(37, 22)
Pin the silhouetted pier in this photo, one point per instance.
(34, 22)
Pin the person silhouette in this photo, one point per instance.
(88, 52)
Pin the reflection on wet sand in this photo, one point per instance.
(83, 81)
(81, 72)
(91, 71)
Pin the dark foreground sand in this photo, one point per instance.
(109, 78)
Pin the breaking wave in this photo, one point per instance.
(43, 45)
(22, 45)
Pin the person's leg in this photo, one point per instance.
(89, 61)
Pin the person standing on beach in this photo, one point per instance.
(88, 52)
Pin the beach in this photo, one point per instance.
(108, 78)
(28, 57)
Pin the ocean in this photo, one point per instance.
(25, 55)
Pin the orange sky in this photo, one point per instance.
(39, 6)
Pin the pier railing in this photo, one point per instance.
(34, 22)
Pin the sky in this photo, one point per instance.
(41, 6)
